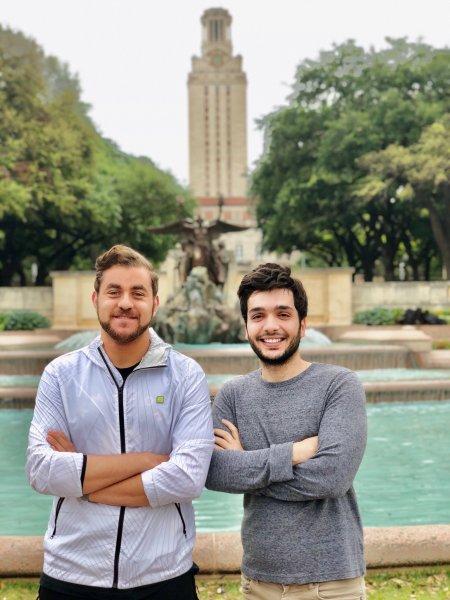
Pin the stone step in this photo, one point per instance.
(355, 357)
(238, 360)
(376, 391)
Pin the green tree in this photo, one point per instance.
(345, 105)
(418, 177)
(65, 192)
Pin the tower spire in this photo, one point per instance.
(216, 31)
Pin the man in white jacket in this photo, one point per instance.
(122, 437)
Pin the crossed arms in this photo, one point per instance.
(55, 467)
(295, 471)
(113, 479)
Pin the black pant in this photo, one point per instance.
(179, 588)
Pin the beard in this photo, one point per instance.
(277, 360)
(124, 338)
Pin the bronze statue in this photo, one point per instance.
(196, 237)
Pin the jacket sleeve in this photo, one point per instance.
(238, 471)
(342, 441)
(48, 471)
(182, 477)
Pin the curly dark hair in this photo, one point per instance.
(271, 276)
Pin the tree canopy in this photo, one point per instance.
(66, 193)
(327, 180)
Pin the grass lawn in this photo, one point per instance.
(403, 584)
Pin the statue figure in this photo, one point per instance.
(223, 263)
(197, 314)
(196, 237)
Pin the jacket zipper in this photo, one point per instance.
(58, 508)
(178, 507)
(123, 451)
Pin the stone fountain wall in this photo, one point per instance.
(222, 552)
(333, 297)
(329, 292)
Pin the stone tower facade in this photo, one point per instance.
(217, 88)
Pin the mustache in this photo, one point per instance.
(271, 335)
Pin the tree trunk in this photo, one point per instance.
(22, 276)
(42, 274)
(427, 268)
(440, 234)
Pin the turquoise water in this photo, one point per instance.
(403, 374)
(404, 478)
(82, 338)
(8, 381)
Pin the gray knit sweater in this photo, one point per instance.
(301, 524)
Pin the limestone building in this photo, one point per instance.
(218, 170)
(217, 88)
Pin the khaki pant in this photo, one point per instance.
(343, 589)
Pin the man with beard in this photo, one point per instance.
(291, 437)
(122, 437)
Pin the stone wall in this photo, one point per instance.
(333, 299)
(410, 546)
(72, 304)
(427, 295)
(39, 299)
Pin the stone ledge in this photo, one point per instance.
(407, 336)
(222, 552)
(436, 359)
(376, 391)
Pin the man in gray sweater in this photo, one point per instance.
(291, 437)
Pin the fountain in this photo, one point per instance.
(197, 322)
(196, 313)
(401, 434)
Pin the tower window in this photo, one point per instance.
(215, 30)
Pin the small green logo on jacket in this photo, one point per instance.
(159, 399)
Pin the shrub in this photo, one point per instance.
(23, 320)
(378, 316)
(441, 345)
(442, 313)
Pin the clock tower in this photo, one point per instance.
(217, 88)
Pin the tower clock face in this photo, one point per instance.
(217, 59)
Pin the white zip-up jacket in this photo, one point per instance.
(163, 407)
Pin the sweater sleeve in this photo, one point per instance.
(342, 441)
(238, 471)
(51, 472)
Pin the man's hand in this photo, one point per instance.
(225, 440)
(304, 450)
(60, 442)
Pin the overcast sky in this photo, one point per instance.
(133, 56)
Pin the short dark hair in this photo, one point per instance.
(126, 257)
(271, 276)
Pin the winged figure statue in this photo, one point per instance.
(196, 237)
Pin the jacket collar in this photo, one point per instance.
(156, 356)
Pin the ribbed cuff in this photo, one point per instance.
(280, 460)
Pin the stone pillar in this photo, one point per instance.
(72, 304)
(329, 292)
